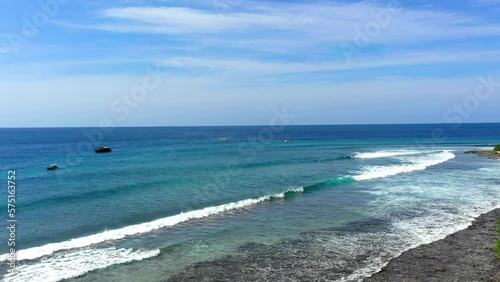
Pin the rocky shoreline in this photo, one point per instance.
(466, 255)
(490, 154)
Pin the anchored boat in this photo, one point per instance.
(103, 150)
(52, 167)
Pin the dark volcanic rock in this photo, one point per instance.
(330, 255)
(251, 247)
(462, 256)
(300, 259)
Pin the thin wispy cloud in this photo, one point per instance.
(245, 47)
(328, 22)
(253, 29)
(288, 27)
(266, 67)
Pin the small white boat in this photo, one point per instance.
(286, 140)
(223, 139)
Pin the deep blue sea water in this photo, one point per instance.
(169, 197)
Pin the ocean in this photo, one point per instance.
(334, 203)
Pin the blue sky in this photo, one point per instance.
(225, 62)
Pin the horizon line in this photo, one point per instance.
(255, 125)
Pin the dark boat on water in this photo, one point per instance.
(52, 167)
(103, 150)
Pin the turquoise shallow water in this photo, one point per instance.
(168, 198)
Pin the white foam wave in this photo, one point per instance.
(417, 163)
(488, 169)
(385, 154)
(416, 232)
(36, 252)
(434, 215)
(73, 264)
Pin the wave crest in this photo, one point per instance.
(420, 163)
(76, 263)
(109, 235)
(385, 154)
(416, 163)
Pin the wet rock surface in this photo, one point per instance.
(324, 255)
(463, 256)
(335, 254)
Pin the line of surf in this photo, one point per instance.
(385, 154)
(76, 263)
(109, 235)
(420, 163)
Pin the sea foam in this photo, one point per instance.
(37, 252)
(416, 163)
(371, 172)
(385, 154)
(68, 265)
